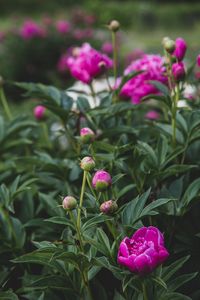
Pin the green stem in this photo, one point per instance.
(5, 104)
(93, 93)
(174, 109)
(46, 134)
(114, 43)
(90, 187)
(81, 201)
(144, 291)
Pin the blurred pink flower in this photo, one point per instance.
(31, 29)
(62, 63)
(139, 86)
(135, 54)
(87, 63)
(107, 48)
(152, 115)
(198, 60)
(63, 26)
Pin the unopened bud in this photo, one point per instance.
(69, 203)
(87, 135)
(114, 25)
(169, 45)
(101, 180)
(109, 207)
(87, 164)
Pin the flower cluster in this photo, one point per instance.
(31, 29)
(87, 63)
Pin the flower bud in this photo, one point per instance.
(178, 71)
(39, 112)
(87, 135)
(114, 25)
(69, 203)
(101, 180)
(109, 207)
(169, 45)
(87, 164)
(180, 49)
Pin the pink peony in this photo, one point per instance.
(144, 251)
(30, 29)
(139, 86)
(178, 71)
(63, 26)
(39, 112)
(152, 115)
(86, 63)
(62, 63)
(87, 135)
(101, 180)
(180, 49)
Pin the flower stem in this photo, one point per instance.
(5, 104)
(114, 43)
(93, 94)
(46, 134)
(144, 291)
(81, 201)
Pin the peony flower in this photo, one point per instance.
(139, 86)
(39, 112)
(63, 26)
(178, 71)
(30, 29)
(180, 49)
(144, 251)
(62, 63)
(101, 180)
(152, 115)
(86, 63)
(87, 135)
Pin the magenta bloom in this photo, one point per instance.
(62, 63)
(178, 70)
(39, 112)
(101, 180)
(144, 251)
(152, 115)
(180, 49)
(30, 29)
(107, 48)
(63, 26)
(198, 60)
(139, 86)
(86, 64)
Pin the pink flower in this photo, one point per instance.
(39, 112)
(63, 26)
(136, 54)
(152, 115)
(101, 180)
(86, 64)
(198, 60)
(180, 49)
(139, 86)
(144, 251)
(178, 70)
(107, 48)
(30, 29)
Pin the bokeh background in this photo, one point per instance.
(41, 57)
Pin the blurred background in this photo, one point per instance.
(36, 36)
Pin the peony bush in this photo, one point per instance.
(101, 200)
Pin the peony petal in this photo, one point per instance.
(139, 233)
(163, 254)
(143, 264)
(123, 248)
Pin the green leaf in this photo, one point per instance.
(94, 221)
(161, 87)
(169, 271)
(8, 295)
